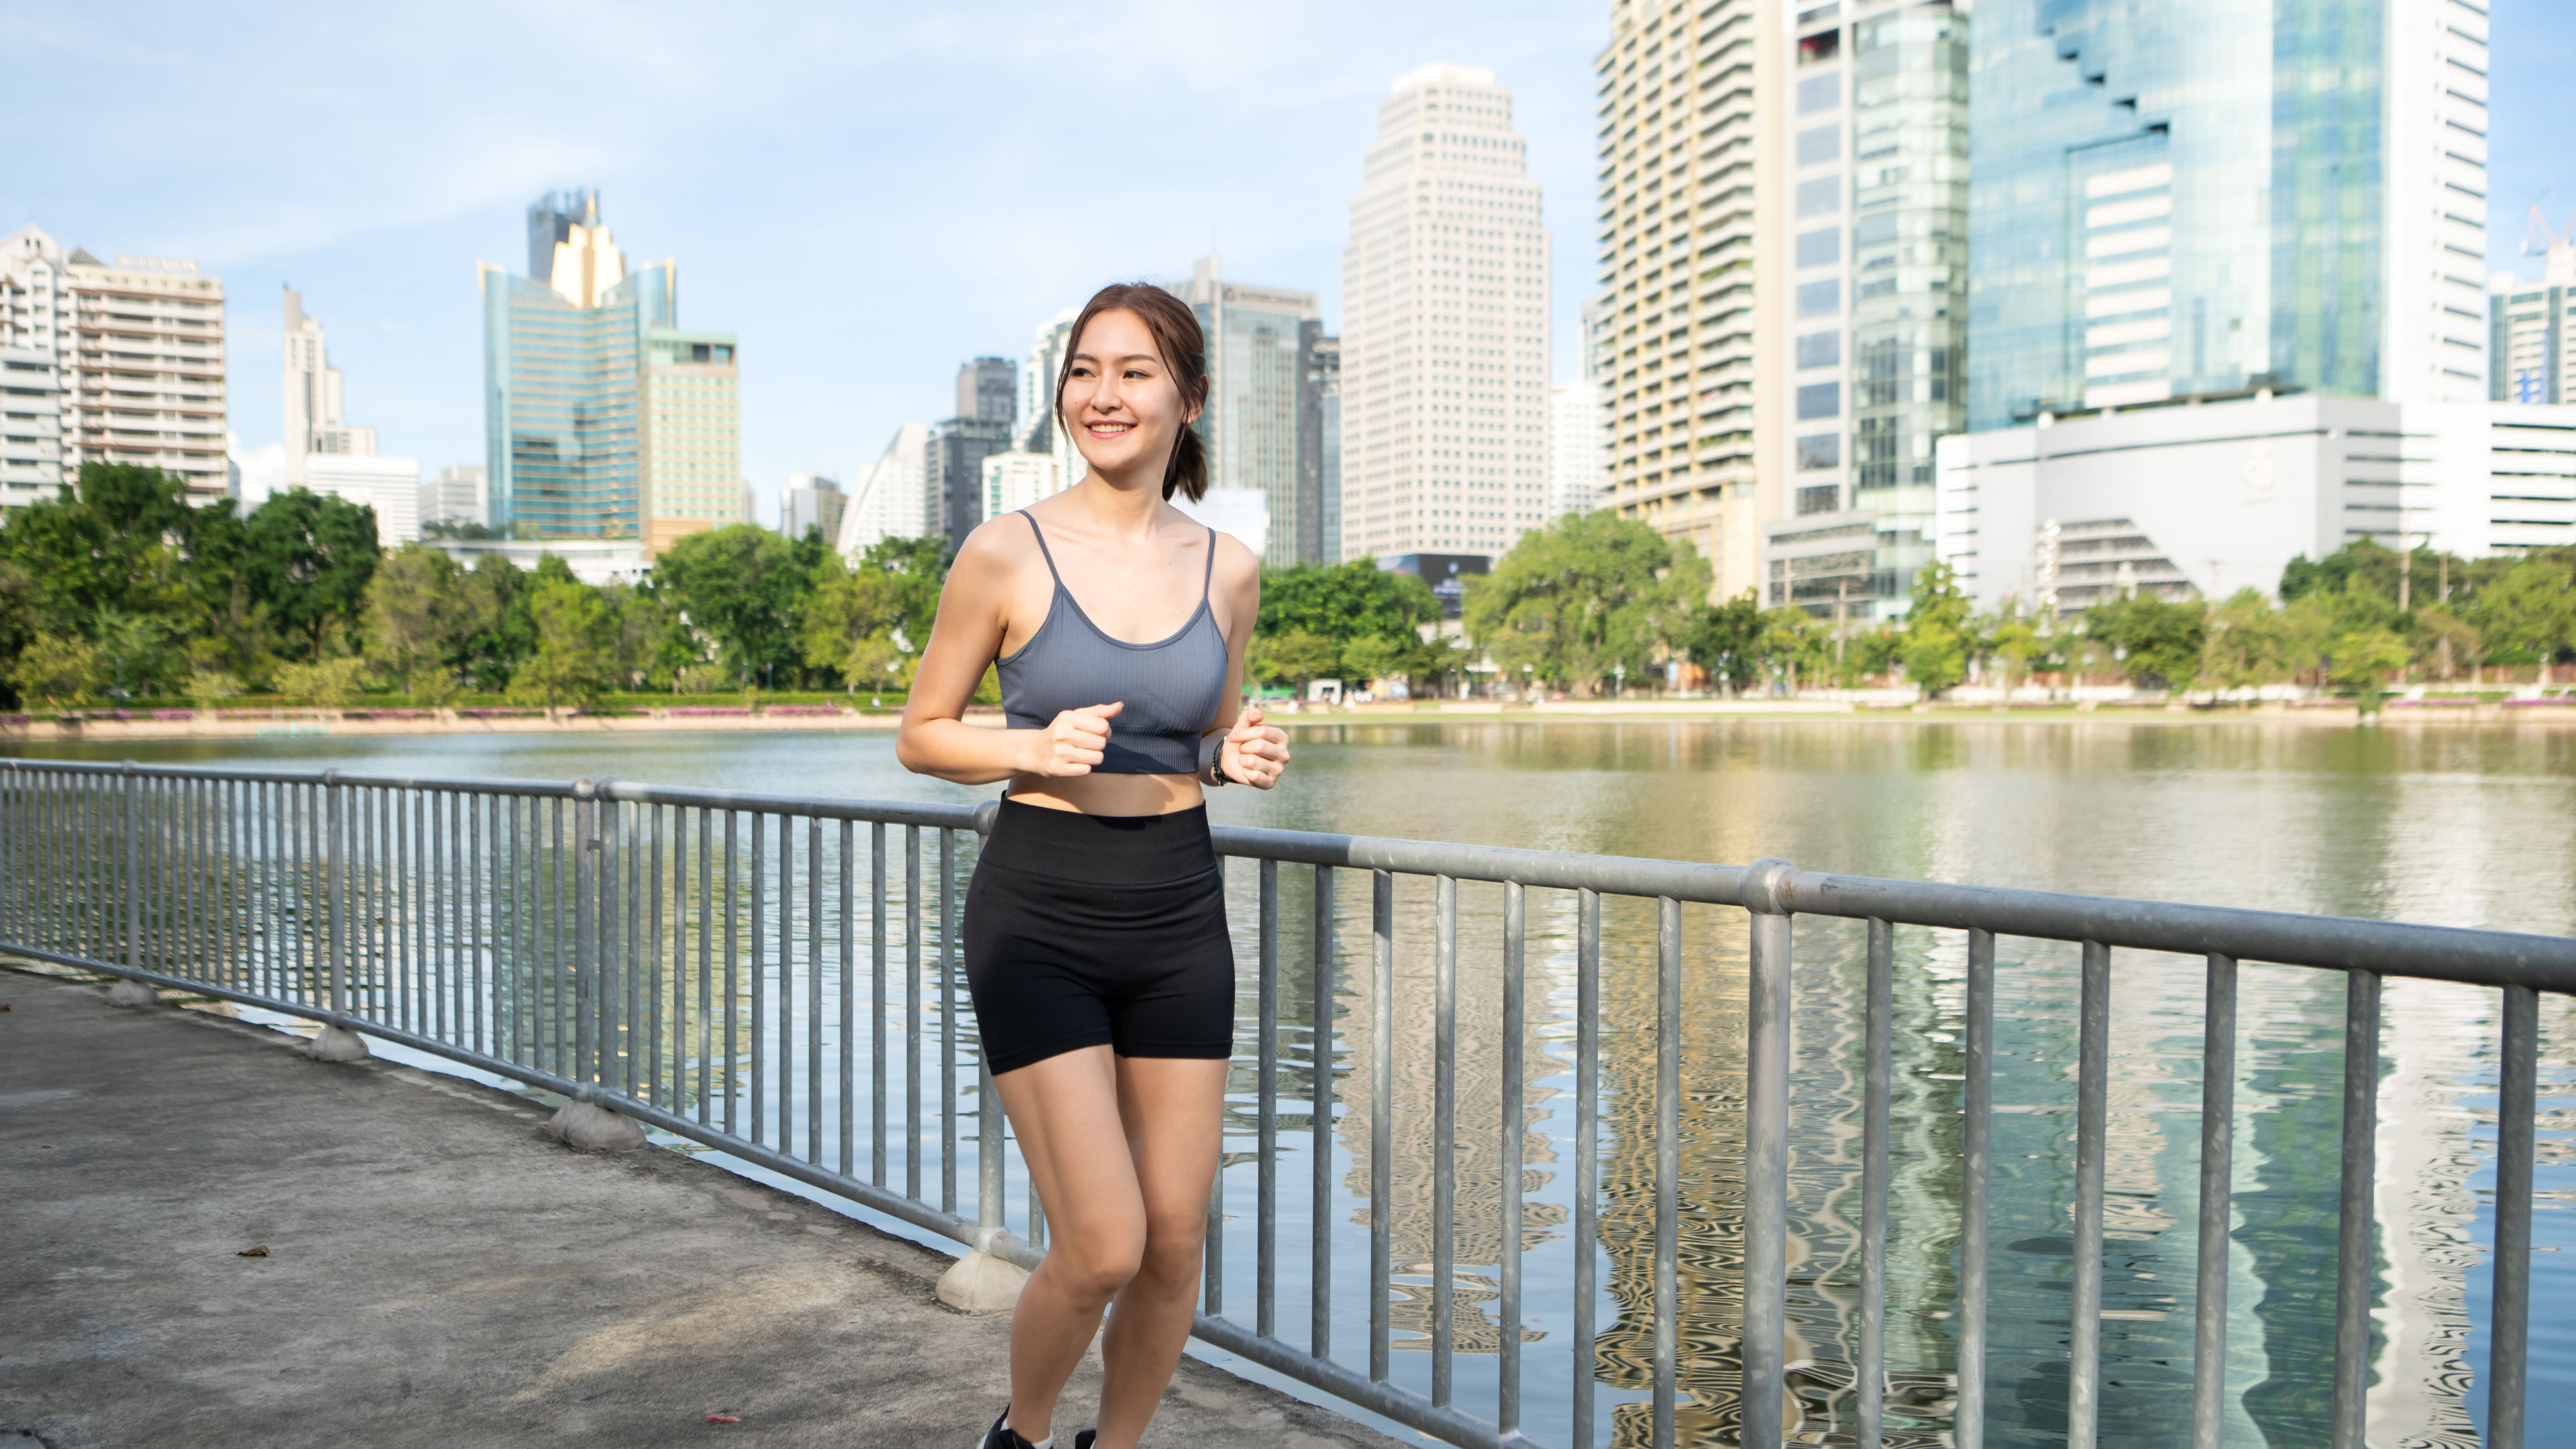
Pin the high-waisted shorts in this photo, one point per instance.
(1084, 930)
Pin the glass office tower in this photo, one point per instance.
(2203, 197)
(1260, 421)
(564, 358)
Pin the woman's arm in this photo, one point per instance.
(1253, 753)
(966, 636)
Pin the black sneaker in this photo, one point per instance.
(1083, 1439)
(999, 1437)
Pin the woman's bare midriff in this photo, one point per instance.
(1109, 794)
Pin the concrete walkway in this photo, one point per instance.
(439, 1273)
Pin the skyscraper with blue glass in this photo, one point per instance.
(2203, 197)
(601, 418)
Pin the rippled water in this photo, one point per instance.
(2446, 825)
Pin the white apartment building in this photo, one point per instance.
(31, 425)
(1444, 395)
(2201, 500)
(139, 348)
(389, 485)
(811, 500)
(2531, 330)
(1578, 474)
(310, 390)
(1688, 162)
(1015, 480)
(890, 498)
(454, 496)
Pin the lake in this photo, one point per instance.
(2447, 825)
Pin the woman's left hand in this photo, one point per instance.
(1254, 753)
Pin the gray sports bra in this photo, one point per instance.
(1171, 687)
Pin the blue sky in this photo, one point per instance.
(868, 195)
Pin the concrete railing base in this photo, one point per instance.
(980, 1283)
(127, 992)
(336, 1043)
(594, 1128)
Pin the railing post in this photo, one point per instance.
(130, 992)
(1766, 1152)
(335, 1042)
(582, 1121)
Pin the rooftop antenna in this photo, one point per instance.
(2541, 225)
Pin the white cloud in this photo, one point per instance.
(263, 470)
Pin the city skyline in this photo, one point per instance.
(451, 168)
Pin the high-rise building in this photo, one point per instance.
(2531, 329)
(1874, 310)
(1691, 158)
(1445, 327)
(325, 453)
(887, 501)
(813, 501)
(31, 442)
(454, 496)
(953, 458)
(1260, 341)
(387, 484)
(603, 419)
(1016, 479)
(1319, 448)
(2201, 198)
(1578, 474)
(138, 349)
(692, 437)
(310, 391)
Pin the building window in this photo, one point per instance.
(1821, 498)
(1820, 197)
(1820, 299)
(1820, 450)
(1820, 93)
(1820, 248)
(1820, 400)
(1820, 47)
(1820, 144)
(1820, 349)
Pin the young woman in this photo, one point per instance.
(1096, 945)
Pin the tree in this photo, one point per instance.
(1292, 658)
(2528, 614)
(62, 670)
(878, 614)
(1342, 602)
(417, 618)
(1372, 657)
(2160, 640)
(1936, 631)
(2247, 642)
(500, 631)
(2018, 642)
(1727, 642)
(745, 589)
(575, 658)
(1589, 594)
(330, 683)
(2362, 660)
(308, 557)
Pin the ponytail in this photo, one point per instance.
(1188, 471)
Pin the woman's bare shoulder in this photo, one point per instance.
(998, 547)
(1236, 567)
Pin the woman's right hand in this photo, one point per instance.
(1075, 741)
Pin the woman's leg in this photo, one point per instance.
(1065, 1112)
(1173, 1110)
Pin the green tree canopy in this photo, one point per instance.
(307, 557)
(2159, 640)
(1588, 594)
(1936, 638)
(745, 589)
(1342, 602)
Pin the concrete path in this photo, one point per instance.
(439, 1273)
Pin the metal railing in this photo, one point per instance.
(777, 977)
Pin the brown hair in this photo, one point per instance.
(1175, 329)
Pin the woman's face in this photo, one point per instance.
(1122, 404)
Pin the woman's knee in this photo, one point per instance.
(1173, 1245)
(1093, 1271)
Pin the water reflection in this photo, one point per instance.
(2453, 825)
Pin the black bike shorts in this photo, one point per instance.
(1090, 929)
